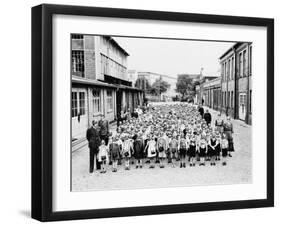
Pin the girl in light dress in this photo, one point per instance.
(127, 151)
(151, 150)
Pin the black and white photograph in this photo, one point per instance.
(159, 112)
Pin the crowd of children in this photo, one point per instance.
(175, 135)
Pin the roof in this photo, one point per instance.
(231, 48)
(117, 45)
(89, 82)
(78, 80)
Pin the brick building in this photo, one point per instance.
(236, 81)
(100, 84)
(212, 93)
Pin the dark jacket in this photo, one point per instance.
(104, 128)
(201, 111)
(208, 117)
(93, 139)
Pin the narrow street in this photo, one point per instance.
(238, 169)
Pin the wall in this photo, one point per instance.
(15, 151)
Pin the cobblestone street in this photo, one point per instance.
(238, 169)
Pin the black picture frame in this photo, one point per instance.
(42, 111)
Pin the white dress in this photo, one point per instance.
(151, 149)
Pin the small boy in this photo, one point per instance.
(114, 150)
(127, 151)
(224, 148)
(103, 156)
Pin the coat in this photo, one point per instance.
(93, 139)
(208, 117)
(104, 128)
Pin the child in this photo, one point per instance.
(127, 150)
(182, 150)
(218, 147)
(162, 148)
(151, 150)
(138, 149)
(224, 148)
(114, 150)
(174, 149)
(202, 150)
(103, 155)
(192, 150)
(212, 145)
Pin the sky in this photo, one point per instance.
(172, 57)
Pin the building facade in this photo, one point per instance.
(100, 84)
(231, 93)
(212, 93)
(236, 82)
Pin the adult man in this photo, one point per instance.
(104, 129)
(228, 130)
(94, 142)
(219, 123)
(201, 110)
(208, 117)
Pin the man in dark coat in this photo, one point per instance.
(94, 143)
(201, 111)
(208, 117)
(104, 129)
(228, 130)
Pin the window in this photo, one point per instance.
(74, 110)
(78, 62)
(240, 65)
(250, 60)
(232, 101)
(82, 103)
(78, 104)
(76, 36)
(228, 98)
(109, 100)
(233, 68)
(222, 71)
(225, 71)
(96, 101)
(244, 63)
(250, 101)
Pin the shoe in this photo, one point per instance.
(161, 166)
(184, 165)
(180, 165)
(190, 164)
(140, 166)
(137, 166)
(229, 155)
(193, 164)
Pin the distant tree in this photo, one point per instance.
(159, 86)
(143, 83)
(185, 86)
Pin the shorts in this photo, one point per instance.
(202, 152)
(114, 156)
(182, 152)
(224, 152)
(192, 151)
